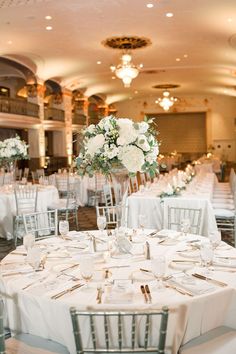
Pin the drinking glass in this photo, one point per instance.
(87, 269)
(34, 259)
(206, 253)
(185, 226)
(158, 269)
(215, 238)
(28, 241)
(64, 228)
(141, 222)
(101, 223)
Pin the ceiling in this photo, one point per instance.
(202, 34)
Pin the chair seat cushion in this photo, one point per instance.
(221, 340)
(224, 213)
(223, 200)
(29, 344)
(228, 206)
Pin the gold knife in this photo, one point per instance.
(144, 293)
(64, 292)
(148, 293)
(213, 281)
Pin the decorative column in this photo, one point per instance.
(103, 111)
(37, 137)
(67, 102)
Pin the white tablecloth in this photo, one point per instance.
(47, 195)
(33, 311)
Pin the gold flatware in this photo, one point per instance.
(161, 241)
(34, 283)
(148, 293)
(226, 257)
(99, 295)
(213, 281)
(144, 293)
(185, 261)
(179, 290)
(70, 267)
(19, 253)
(16, 273)
(121, 266)
(145, 270)
(64, 292)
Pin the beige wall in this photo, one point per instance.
(220, 112)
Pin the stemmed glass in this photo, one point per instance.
(64, 228)
(141, 222)
(215, 238)
(87, 269)
(185, 226)
(28, 242)
(34, 259)
(206, 253)
(158, 269)
(101, 223)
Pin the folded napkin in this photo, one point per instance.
(123, 244)
(191, 284)
(119, 296)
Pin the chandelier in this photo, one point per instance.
(166, 101)
(126, 70)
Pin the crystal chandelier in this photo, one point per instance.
(166, 101)
(126, 70)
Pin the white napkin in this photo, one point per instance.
(198, 287)
(123, 244)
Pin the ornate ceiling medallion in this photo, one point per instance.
(126, 42)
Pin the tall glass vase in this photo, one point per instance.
(120, 181)
(10, 167)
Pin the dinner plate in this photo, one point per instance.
(181, 266)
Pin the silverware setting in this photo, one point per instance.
(211, 280)
(35, 282)
(178, 289)
(67, 291)
(146, 294)
(99, 294)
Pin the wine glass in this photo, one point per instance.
(28, 241)
(158, 269)
(64, 228)
(101, 223)
(87, 269)
(185, 226)
(141, 222)
(215, 238)
(34, 258)
(206, 253)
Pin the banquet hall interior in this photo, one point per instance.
(117, 176)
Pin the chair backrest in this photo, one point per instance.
(72, 193)
(134, 184)
(232, 180)
(177, 214)
(40, 172)
(26, 172)
(116, 332)
(62, 181)
(111, 213)
(107, 194)
(41, 224)
(26, 199)
(2, 176)
(142, 178)
(18, 174)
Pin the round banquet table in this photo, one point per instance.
(47, 195)
(35, 306)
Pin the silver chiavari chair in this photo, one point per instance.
(41, 224)
(120, 331)
(112, 214)
(134, 184)
(177, 214)
(107, 191)
(142, 179)
(26, 202)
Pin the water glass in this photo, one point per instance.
(28, 241)
(87, 269)
(34, 258)
(215, 238)
(64, 228)
(206, 254)
(158, 269)
(101, 223)
(185, 226)
(141, 222)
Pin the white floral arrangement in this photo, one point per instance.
(119, 142)
(13, 149)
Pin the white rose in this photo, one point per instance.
(143, 127)
(127, 133)
(94, 144)
(91, 128)
(132, 158)
(143, 143)
(111, 151)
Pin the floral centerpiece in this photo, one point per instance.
(119, 143)
(12, 149)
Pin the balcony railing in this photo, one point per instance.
(54, 114)
(79, 119)
(16, 106)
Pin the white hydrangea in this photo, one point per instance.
(142, 142)
(132, 158)
(94, 144)
(91, 128)
(127, 133)
(111, 151)
(143, 127)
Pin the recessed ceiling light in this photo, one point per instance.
(9, 42)
(136, 92)
(177, 59)
(99, 62)
(48, 17)
(150, 5)
(229, 19)
(141, 65)
(169, 14)
(49, 28)
(113, 77)
(185, 55)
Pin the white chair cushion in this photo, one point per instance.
(223, 200)
(221, 340)
(29, 344)
(228, 206)
(224, 213)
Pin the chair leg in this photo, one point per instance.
(76, 219)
